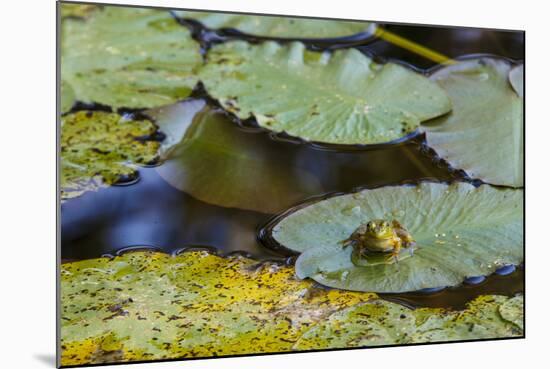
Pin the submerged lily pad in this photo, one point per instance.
(201, 305)
(341, 97)
(99, 148)
(222, 164)
(460, 231)
(280, 27)
(483, 135)
(128, 57)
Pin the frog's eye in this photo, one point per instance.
(371, 226)
(385, 224)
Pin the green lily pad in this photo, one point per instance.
(460, 231)
(221, 164)
(201, 305)
(516, 79)
(280, 27)
(512, 311)
(379, 322)
(99, 148)
(483, 135)
(338, 98)
(128, 57)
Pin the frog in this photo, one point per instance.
(380, 235)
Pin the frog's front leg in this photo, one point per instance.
(395, 251)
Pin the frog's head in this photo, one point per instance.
(380, 229)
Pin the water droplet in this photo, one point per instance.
(457, 236)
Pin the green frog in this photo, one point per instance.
(379, 235)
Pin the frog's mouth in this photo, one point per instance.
(371, 258)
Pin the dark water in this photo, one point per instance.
(153, 213)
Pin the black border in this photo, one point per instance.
(58, 197)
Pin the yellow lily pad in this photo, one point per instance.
(149, 306)
(100, 148)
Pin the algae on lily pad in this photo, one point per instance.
(128, 57)
(483, 135)
(100, 148)
(222, 164)
(280, 27)
(197, 304)
(460, 231)
(341, 97)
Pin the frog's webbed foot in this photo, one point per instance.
(393, 257)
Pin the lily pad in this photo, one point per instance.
(128, 57)
(67, 97)
(516, 79)
(100, 148)
(77, 10)
(192, 305)
(280, 27)
(379, 322)
(512, 311)
(222, 164)
(460, 231)
(483, 135)
(197, 304)
(339, 98)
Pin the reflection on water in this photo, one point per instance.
(152, 212)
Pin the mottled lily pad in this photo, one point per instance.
(192, 305)
(460, 231)
(379, 322)
(128, 57)
(483, 135)
(222, 164)
(340, 98)
(100, 148)
(201, 305)
(512, 311)
(280, 27)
